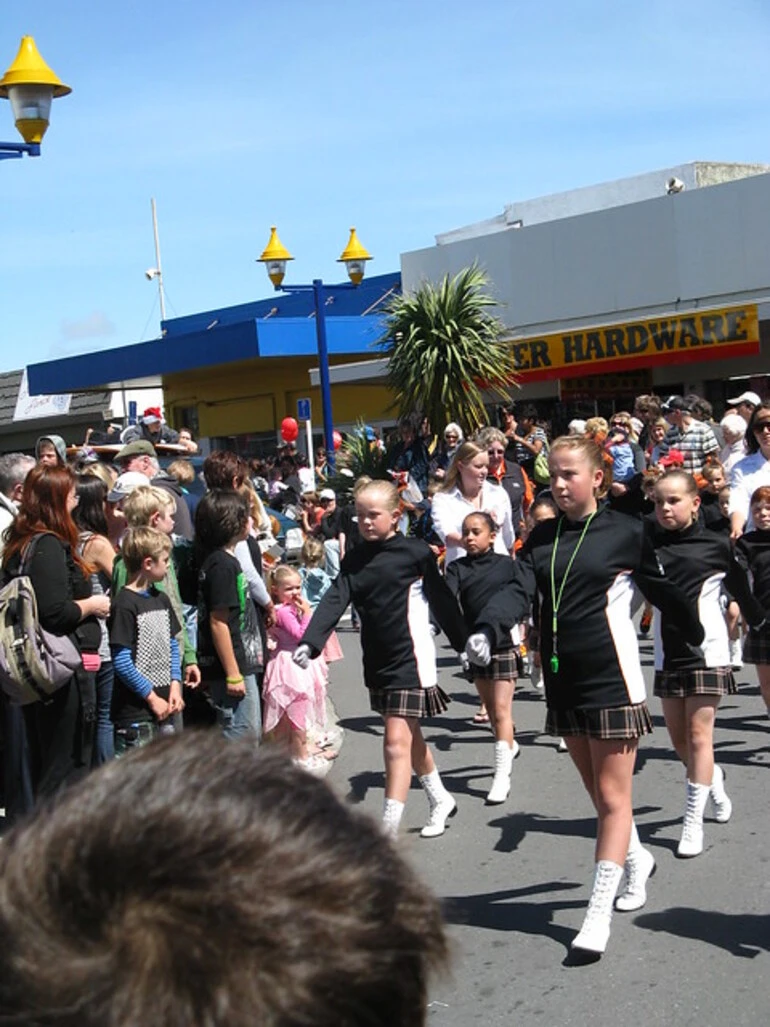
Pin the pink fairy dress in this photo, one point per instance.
(288, 690)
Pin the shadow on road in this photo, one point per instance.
(741, 934)
(515, 827)
(498, 911)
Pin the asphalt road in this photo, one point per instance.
(515, 879)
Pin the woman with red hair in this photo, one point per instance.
(60, 732)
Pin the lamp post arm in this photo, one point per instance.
(10, 150)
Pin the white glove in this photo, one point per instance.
(478, 650)
(302, 656)
(465, 663)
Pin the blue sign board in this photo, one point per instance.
(303, 409)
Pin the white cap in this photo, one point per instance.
(327, 494)
(746, 397)
(125, 485)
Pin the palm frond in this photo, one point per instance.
(444, 349)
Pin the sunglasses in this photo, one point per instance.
(762, 426)
(495, 452)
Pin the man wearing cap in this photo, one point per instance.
(694, 439)
(151, 428)
(140, 457)
(745, 404)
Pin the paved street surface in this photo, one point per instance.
(514, 879)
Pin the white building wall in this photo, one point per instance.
(697, 248)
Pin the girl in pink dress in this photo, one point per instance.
(294, 699)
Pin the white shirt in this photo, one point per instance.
(730, 455)
(449, 510)
(746, 477)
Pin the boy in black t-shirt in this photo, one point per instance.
(229, 652)
(145, 653)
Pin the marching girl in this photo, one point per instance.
(472, 579)
(690, 683)
(294, 697)
(391, 580)
(584, 564)
(752, 551)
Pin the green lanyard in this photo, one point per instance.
(556, 595)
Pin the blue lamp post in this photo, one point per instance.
(30, 85)
(354, 256)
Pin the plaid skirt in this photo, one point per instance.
(756, 646)
(502, 667)
(409, 702)
(679, 684)
(613, 724)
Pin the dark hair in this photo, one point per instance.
(210, 883)
(545, 500)
(89, 514)
(701, 407)
(224, 470)
(481, 515)
(527, 411)
(220, 517)
(43, 508)
(752, 443)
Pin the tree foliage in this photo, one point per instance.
(445, 349)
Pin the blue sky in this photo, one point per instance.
(404, 117)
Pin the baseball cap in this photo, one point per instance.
(139, 448)
(125, 484)
(327, 494)
(676, 403)
(746, 397)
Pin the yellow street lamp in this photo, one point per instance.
(30, 85)
(354, 257)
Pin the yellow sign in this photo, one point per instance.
(663, 339)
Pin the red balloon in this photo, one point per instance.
(289, 429)
(337, 439)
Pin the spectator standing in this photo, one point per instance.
(14, 468)
(694, 440)
(529, 437)
(410, 453)
(734, 430)
(745, 404)
(140, 457)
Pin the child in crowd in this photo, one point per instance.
(472, 579)
(690, 682)
(619, 448)
(147, 690)
(150, 507)
(584, 565)
(295, 697)
(752, 551)
(229, 648)
(713, 477)
(392, 580)
(315, 583)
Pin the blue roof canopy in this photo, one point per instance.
(282, 326)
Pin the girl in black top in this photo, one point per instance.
(61, 731)
(473, 578)
(585, 565)
(691, 682)
(391, 580)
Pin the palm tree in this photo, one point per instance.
(445, 348)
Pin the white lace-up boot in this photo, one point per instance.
(392, 812)
(720, 800)
(441, 805)
(639, 868)
(736, 653)
(501, 782)
(595, 932)
(691, 843)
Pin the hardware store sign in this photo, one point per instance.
(663, 339)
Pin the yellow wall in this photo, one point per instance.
(255, 396)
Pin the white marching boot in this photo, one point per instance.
(720, 800)
(441, 805)
(639, 868)
(501, 782)
(691, 843)
(392, 812)
(595, 932)
(736, 653)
